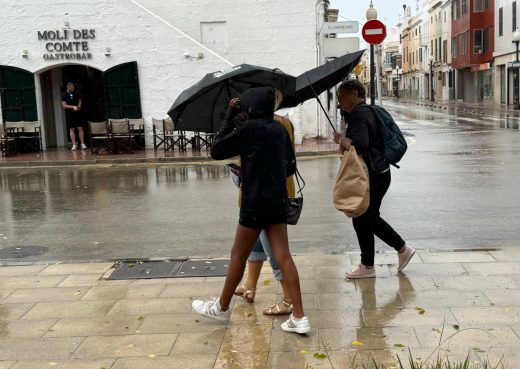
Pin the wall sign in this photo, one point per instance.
(67, 44)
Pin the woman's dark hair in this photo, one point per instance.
(353, 85)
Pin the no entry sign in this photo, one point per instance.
(374, 32)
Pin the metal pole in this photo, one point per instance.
(372, 77)
(516, 42)
(431, 82)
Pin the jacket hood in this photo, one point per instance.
(258, 102)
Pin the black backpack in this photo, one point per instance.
(394, 143)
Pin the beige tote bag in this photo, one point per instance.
(351, 194)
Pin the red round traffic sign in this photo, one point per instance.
(374, 32)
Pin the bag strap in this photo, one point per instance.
(298, 175)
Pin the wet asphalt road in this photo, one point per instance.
(458, 187)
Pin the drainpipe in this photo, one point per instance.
(318, 6)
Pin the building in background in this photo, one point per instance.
(506, 70)
(472, 31)
(132, 59)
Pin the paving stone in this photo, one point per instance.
(125, 346)
(504, 297)
(326, 285)
(495, 268)
(407, 317)
(75, 309)
(451, 269)
(14, 311)
(395, 284)
(487, 315)
(19, 270)
(189, 289)
(322, 260)
(198, 361)
(25, 328)
(198, 343)
(457, 257)
(151, 306)
(35, 281)
(484, 337)
(389, 259)
(297, 360)
(328, 319)
(65, 364)
(5, 293)
(178, 323)
(83, 268)
(83, 327)
(475, 283)
(339, 272)
(286, 342)
(356, 300)
(38, 349)
(241, 360)
(361, 338)
(54, 294)
(122, 292)
(442, 298)
(8, 364)
(508, 255)
(82, 280)
(510, 357)
(147, 282)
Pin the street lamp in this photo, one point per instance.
(397, 79)
(516, 41)
(431, 80)
(372, 14)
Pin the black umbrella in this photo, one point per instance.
(315, 81)
(202, 107)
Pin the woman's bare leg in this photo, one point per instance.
(245, 239)
(277, 236)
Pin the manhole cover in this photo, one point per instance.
(146, 270)
(22, 252)
(204, 268)
(170, 269)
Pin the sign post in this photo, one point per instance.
(373, 32)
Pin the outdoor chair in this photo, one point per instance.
(121, 136)
(158, 137)
(7, 143)
(137, 127)
(29, 138)
(98, 136)
(173, 138)
(14, 130)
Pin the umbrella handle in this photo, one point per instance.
(321, 105)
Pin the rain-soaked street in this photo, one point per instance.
(458, 187)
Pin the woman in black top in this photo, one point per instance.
(267, 159)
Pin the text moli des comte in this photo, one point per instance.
(67, 44)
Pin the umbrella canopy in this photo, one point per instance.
(203, 106)
(317, 80)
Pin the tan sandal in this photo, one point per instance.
(245, 293)
(275, 309)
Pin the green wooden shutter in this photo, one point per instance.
(122, 91)
(18, 94)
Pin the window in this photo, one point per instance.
(445, 16)
(514, 16)
(455, 10)
(420, 55)
(440, 49)
(464, 7)
(454, 47)
(444, 79)
(486, 4)
(445, 51)
(478, 6)
(464, 43)
(500, 21)
(431, 48)
(478, 43)
(485, 41)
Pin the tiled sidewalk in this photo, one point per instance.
(68, 316)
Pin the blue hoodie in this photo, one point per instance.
(266, 155)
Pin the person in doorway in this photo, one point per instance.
(364, 134)
(262, 249)
(267, 159)
(71, 102)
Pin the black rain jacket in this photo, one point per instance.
(266, 155)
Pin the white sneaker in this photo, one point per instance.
(361, 272)
(405, 257)
(74, 148)
(84, 147)
(297, 325)
(211, 309)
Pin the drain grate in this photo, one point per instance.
(169, 269)
(22, 252)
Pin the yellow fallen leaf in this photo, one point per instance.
(507, 309)
(53, 364)
(267, 282)
(437, 330)
(399, 345)
(319, 355)
(151, 355)
(357, 343)
(420, 310)
(233, 351)
(303, 351)
(77, 293)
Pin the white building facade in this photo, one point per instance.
(133, 58)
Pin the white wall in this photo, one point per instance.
(268, 33)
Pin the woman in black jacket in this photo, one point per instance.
(267, 159)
